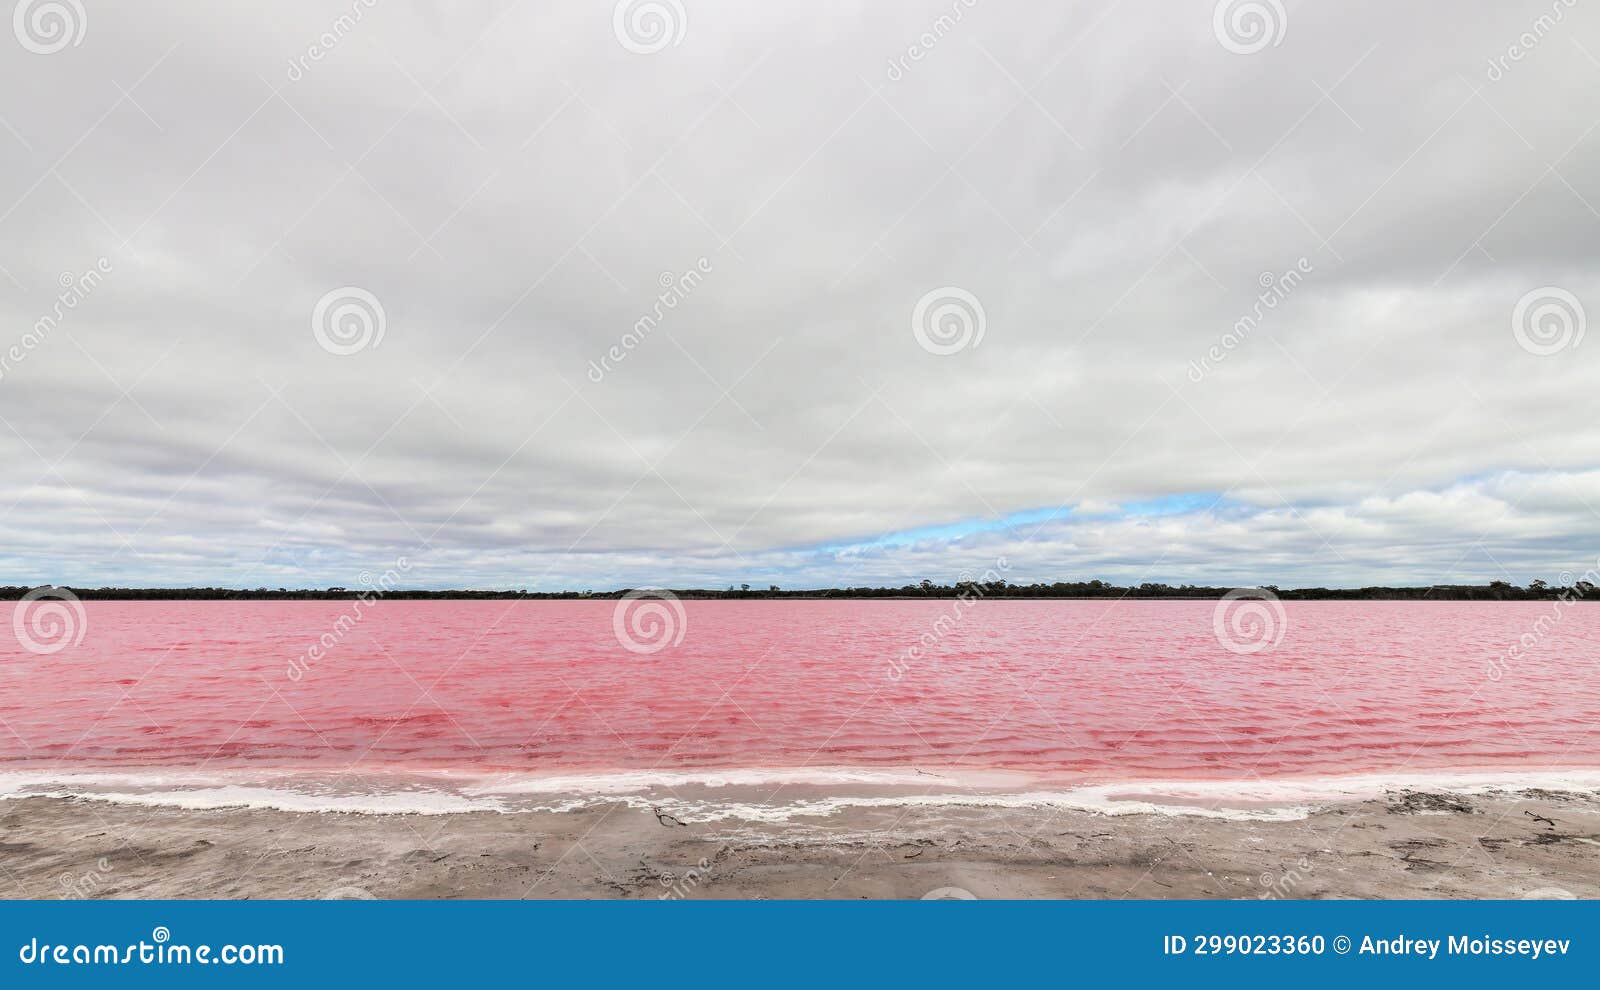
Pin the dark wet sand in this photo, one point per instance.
(1408, 845)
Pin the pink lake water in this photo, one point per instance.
(1077, 690)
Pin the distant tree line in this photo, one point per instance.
(1494, 591)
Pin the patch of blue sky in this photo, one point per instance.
(1026, 521)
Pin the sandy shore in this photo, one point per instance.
(1408, 844)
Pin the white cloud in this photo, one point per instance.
(512, 185)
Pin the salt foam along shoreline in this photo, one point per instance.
(443, 793)
(752, 794)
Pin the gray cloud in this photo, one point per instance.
(512, 183)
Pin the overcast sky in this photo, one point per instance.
(701, 292)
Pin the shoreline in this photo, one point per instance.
(760, 794)
(455, 597)
(1405, 844)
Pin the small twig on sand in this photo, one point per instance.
(666, 819)
(914, 855)
(1540, 818)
